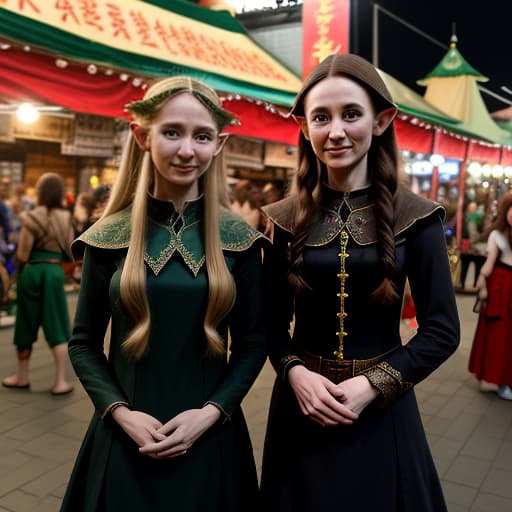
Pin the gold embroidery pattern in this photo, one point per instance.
(236, 235)
(114, 232)
(174, 244)
(360, 224)
(159, 263)
(386, 384)
(343, 255)
(391, 371)
(388, 381)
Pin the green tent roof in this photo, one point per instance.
(453, 64)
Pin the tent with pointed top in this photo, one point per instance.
(452, 87)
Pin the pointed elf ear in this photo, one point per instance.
(223, 137)
(140, 135)
(383, 120)
(301, 121)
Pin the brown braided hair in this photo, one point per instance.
(501, 224)
(383, 164)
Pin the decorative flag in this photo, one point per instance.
(326, 30)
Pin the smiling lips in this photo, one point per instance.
(338, 149)
(184, 168)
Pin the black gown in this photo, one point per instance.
(382, 462)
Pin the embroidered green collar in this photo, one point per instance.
(168, 232)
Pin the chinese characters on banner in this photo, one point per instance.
(326, 30)
(145, 29)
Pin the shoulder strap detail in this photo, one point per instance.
(410, 208)
(282, 213)
(112, 232)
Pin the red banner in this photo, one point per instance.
(450, 146)
(326, 30)
(411, 137)
(259, 122)
(484, 153)
(32, 76)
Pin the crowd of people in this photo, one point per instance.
(200, 282)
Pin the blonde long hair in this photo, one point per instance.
(134, 181)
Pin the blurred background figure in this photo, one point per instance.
(473, 246)
(491, 354)
(247, 199)
(89, 207)
(24, 198)
(45, 237)
(82, 212)
(271, 193)
(100, 197)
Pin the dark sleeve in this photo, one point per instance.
(91, 320)
(247, 331)
(279, 304)
(438, 333)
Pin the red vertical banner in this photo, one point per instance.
(326, 30)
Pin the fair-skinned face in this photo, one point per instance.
(340, 122)
(183, 140)
(509, 216)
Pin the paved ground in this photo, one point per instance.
(470, 432)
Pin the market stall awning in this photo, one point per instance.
(152, 38)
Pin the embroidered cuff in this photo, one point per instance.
(225, 415)
(288, 362)
(112, 406)
(388, 381)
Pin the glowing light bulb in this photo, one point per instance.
(27, 113)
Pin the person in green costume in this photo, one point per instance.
(45, 238)
(176, 272)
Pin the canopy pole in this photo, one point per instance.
(434, 183)
(462, 194)
(375, 36)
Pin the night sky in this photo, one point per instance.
(484, 31)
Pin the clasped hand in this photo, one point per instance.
(327, 403)
(171, 439)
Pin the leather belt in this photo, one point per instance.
(50, 260)
(338, 370)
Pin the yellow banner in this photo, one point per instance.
(148, 30)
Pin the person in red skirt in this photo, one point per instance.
(491, 354)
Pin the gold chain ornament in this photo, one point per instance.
(343, 255)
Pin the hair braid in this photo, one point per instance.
(306, 182)
(384, 178)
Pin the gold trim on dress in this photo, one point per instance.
(343, 255)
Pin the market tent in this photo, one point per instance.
(452, 87)
(410, 102)
(423, 128)
(95, 58)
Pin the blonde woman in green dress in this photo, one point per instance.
(174, 270)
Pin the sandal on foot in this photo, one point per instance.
(65, 392)
(15, 386)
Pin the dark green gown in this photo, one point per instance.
(217, 474)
